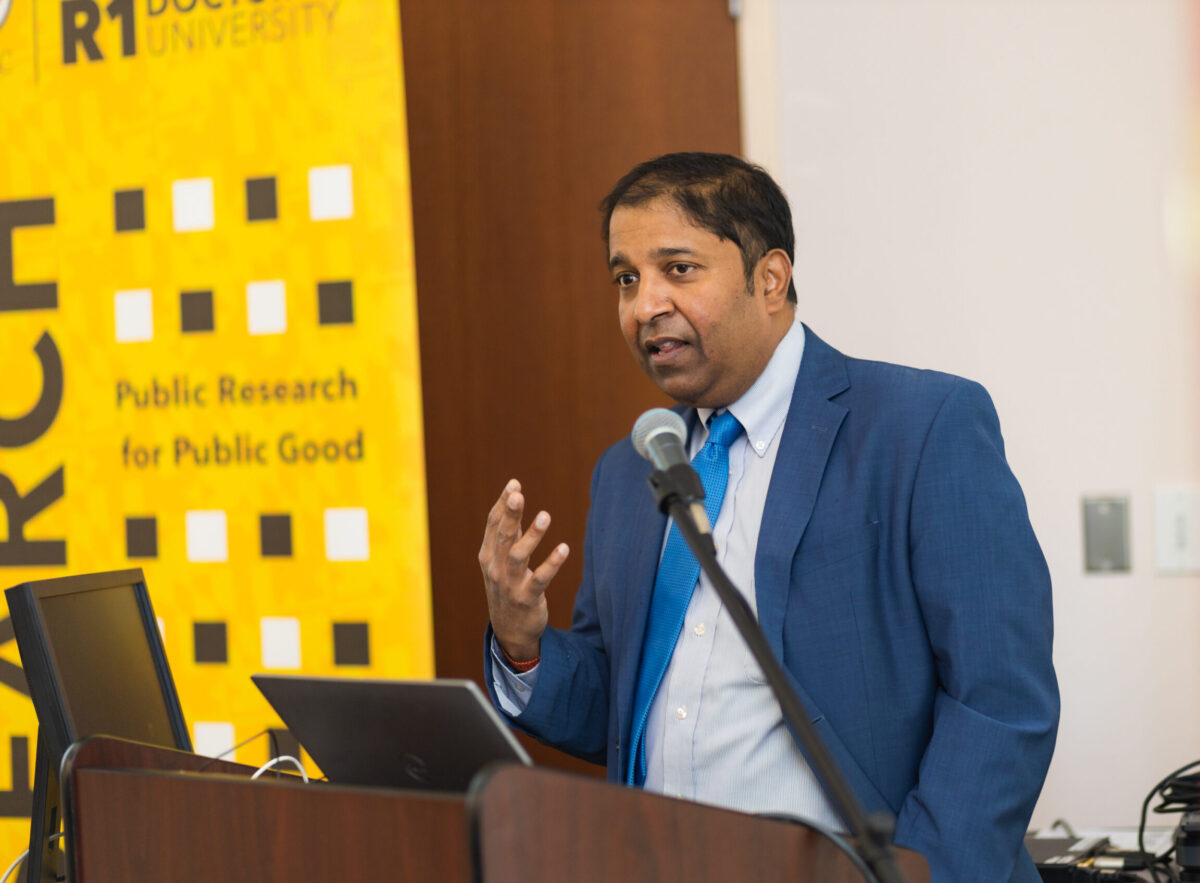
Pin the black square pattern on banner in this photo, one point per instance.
(281, 743)
(261, 204)
(141, 537)
(335, 303)
(129, 207)
(210, 642)
(275, 533)
(196, 311)
(351, 643)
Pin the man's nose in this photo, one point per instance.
(653, 300)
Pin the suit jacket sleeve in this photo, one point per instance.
(568, 709)
(984, 592)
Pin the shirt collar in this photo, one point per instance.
(764, 407)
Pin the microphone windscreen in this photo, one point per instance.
(654, 422)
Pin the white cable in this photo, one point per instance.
(20, 859)
(270, 763)
(14, 866)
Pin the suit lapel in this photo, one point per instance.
(812, 425)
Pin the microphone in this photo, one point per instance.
(659, 436)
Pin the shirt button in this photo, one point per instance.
(758, 445)
(699, 630)
(681, 712)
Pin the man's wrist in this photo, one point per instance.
(520, 662)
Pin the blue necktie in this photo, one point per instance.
(673, 587)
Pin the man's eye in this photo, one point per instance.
(681, 269)
(624, 280)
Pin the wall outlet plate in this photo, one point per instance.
(1177, 529)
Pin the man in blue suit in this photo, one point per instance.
(870, 519)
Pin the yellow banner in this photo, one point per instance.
(208, 342)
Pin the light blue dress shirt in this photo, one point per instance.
(715, 732)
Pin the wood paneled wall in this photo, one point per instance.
(522, 114)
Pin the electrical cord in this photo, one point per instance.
(1084, 873)
(16, 864)
(273, 762)
(224, 753)
(1177, 793)
(1181, 794)
(1064, 826)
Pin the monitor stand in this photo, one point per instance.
(46, 862)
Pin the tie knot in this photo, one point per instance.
(723, 429)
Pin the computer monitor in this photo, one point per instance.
(95, 664)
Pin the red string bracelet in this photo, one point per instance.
(520, 666)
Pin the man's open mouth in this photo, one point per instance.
(663, 346)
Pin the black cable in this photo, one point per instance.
(1065, 826)
(229, 751)
(1178, 795)
(1181, 794)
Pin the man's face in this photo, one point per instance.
(686, 312)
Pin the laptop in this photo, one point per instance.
(426, 735)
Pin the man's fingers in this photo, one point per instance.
(522, 550)
(487, 549)
(508, 531)
(548, 569)
(506, 550)
(497, 509)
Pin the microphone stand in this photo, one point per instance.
(674, 490)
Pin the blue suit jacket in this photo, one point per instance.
(898, 580)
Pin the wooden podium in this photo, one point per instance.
(134, 812)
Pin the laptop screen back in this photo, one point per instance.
(428, 735)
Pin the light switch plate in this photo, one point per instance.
(1177, 529)
(1106, 534)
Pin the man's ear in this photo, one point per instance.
(773, 275)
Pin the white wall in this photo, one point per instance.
(980, 187)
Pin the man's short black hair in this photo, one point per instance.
(727, 196)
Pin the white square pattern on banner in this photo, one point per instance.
(134, 315)
(207, 539)
(266, 307)
(330, 193)
(192, 205)
(346, 535)
(211, 738)
(280, 642)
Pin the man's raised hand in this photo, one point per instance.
(516, 594)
